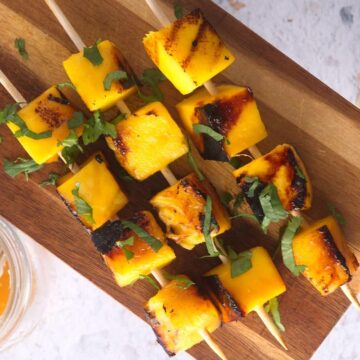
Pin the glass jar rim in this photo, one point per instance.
(20, 280)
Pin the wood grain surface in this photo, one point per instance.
(296, 108)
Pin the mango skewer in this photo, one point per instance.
(254, 151)
(166, 172)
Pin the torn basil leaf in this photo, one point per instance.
(255, 182)
(182, 281)
(271, 206)
(66, 84)
(239, 263)
(20, 45)
(205, 129)
(120, 117)
(226, 198)
(82, 207)
(150, 280)
(298, 172)
(51, 180)
(287, 246)
(21, 165)
(272, 307)
(151, 78)
(123, 245)
(207, 227)
(153, 242)
(192, 162)
(76, 120)
(95, 127)
(112, 76)
(92, 53)
(336, 214)
(178, 10)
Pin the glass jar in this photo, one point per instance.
(25, 303)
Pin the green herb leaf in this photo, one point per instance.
(150, 280)
(20, 165)
(271, 206)
(235, 162)
(66, 84)
(152, 78)
(336, 214)
(255, 182)
(272, 307)
(76, 120)
(287, 246)
(20, 45)
(244, 215)
(82, 207)
(70, 153)
(226, 198)
(9, 114)
(299, 173)
(51, 180)
(118, 119)
(95, 127)
(239, 200)
(207, 227)
(70, 140)
(205, 129)
(124, 175)
(92, 53)
(240, 263)
(192, 162)
(114, 75)
(154, 243)
(123, 245)
(182, 281)
(178, 10)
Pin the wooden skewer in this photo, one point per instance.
(167, 173)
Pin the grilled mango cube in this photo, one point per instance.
(48, 112)
(148, 141)
(283, 168)
(88, 78)
(188, 52)
(181, 208)
(178, 315)
(232, 112)
(97, 187)
(143, 259)
(328, 261)
(236, 297)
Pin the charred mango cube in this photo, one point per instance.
(88, 78)
(97, 187)
(328, 261)
(236, 297)
(232, 112)
(48, 112)
(283, 168)
(181, 208)
(129, 263)
(188, 52)
(148, 141)
(178, 315)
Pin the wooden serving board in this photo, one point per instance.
(296, 108)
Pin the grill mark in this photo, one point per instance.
(122, 63)
(227, 306)
(52, 117)
(120, 145)
(333, 249)
(59, 100)
(106, 236)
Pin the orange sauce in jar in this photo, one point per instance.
(4, 287)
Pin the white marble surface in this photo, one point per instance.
(81, 322)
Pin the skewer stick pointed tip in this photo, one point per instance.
(213, 344)
(351, 296)
(270, 325)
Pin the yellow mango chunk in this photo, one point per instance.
(322, 249)
(283, 168)
(48, 112)
(148, 141)
(88, 78)
(239, 296)
(181, 208)
(98, 188)
(232, 112)
(188, 52)
(144, 258)
(177, 316)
